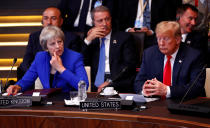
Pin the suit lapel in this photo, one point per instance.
(97, 50)
(92, 4)
(160, 64)
(188, 39)
(76, 6)
(47, 71)
(133, 7)
(113, 42)
(178, 64)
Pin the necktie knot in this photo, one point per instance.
(103, 39)
(169, 57)
(102, 42)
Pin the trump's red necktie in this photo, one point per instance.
(167, 72)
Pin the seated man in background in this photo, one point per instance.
(56, 66)
(50, 16)
(77, 13)
(144, 15)
(187, 18)
(169, 69)
(110, 54)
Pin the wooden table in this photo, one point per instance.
(57, 115)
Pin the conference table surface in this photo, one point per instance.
(57, 115)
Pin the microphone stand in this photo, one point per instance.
(114, 79)
(6, 86)
(194, 82)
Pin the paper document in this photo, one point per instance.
(138, 98)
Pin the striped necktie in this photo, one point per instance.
(146, 15)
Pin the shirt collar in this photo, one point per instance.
(184, 36)
(173, 55)
(108, 36)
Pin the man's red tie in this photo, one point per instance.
(167, 74)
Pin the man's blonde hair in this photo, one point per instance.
(166, 26)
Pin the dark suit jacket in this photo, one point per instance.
(67, 81)
(122, 54)
(70, 9)
(199, 41)
(160, 10)
(71, 41)
(187, 65)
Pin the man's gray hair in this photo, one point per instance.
(99, 9)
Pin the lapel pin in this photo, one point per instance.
(188, 42)
(180, 61)
(114, 41)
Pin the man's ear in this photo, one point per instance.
(178, 39)
(61, 21)
(177, 18)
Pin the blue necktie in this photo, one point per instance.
(83, 15)
(147, 15)
(98, 3)
(101, 66)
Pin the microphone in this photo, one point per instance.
(194, 82)
(120, 74)
(190, 109)
(115, 78)
(14, 61)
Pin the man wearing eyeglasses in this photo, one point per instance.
(169, 68)
(110, 54)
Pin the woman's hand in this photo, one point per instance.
(13, 89)
(56, 63)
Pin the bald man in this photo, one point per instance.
(50, 16)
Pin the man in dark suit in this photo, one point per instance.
(75, 19)
(119, 54)
(170, 68)
(129, 12)
(187, 18)
(51, 16)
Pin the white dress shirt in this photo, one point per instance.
(172, 60)
(88, 19)
(184, 36)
